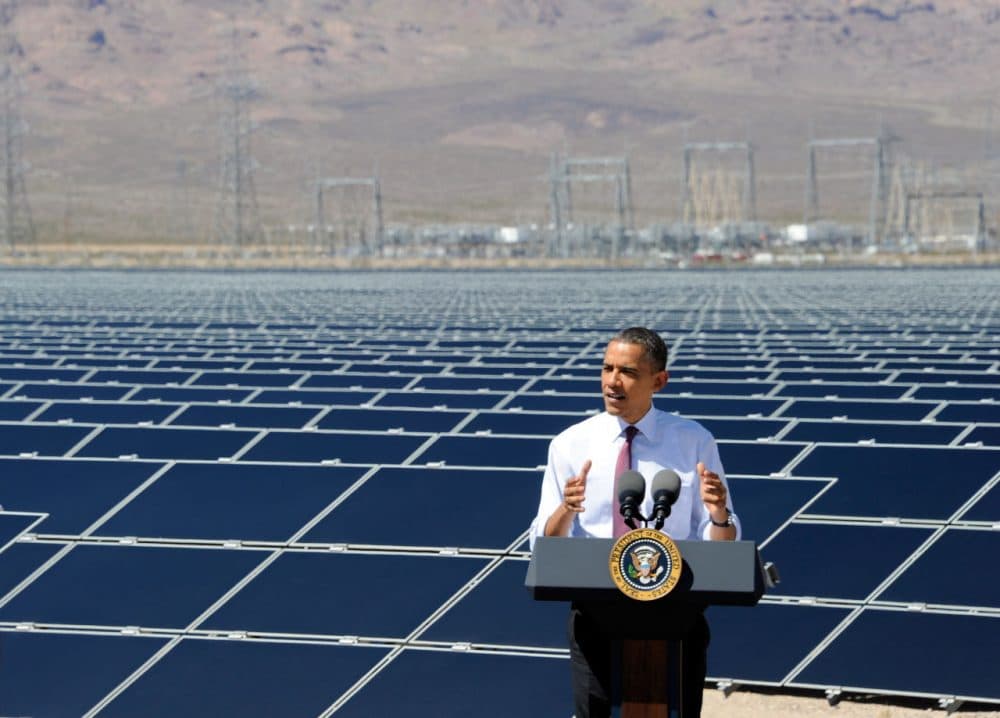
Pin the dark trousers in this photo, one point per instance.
(591, 656)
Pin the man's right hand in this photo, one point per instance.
(574, 492)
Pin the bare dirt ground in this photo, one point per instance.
(755, 704)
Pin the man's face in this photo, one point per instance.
(628, 381)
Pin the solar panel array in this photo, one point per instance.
(305, 494)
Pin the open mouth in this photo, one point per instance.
(614, 396)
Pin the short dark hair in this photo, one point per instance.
(654, 346)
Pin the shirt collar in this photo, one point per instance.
(646, 425)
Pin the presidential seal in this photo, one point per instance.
(645, 564)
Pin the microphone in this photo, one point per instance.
(630, 490)
(666, 488)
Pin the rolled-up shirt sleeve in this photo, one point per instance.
(551, 496)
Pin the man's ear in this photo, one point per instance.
(661, 380)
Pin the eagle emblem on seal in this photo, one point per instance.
(644, 568)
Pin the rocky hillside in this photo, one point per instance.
(459, 102)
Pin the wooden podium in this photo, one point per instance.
(647, 636)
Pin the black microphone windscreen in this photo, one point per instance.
(666, 485)
(630, 485)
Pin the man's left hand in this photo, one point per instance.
(713, 493)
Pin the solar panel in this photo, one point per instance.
(764, 644)
(165, 443)
(245, 678)
(468, 509)
(349, 448)
(150, 586)
(514, 618)
(106, 412)
(435, 683)
(304, 468)
(322, 593)
(869, 479)
(890, 650)
(84, 667)
(220, 502)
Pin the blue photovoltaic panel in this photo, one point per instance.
(17, 562)
(888, 650)
(44, 440)
(981, 413)
(247, 378)
(349, 448)
(186, 394)
(176, 363)
(215, 501)
(811, 558)
(985, 435)
(344, 594)
(986, 508)
(149, 376)
(881, 433)
(468, 509)
(314, 397)
(430, 421)
(348, 381)
(13, 525)
(741, 429)
(764, 505)
(952, 572)
(763, 644)
(958, 393)
(454, 383)
(870, 410)
(945, 377)
(760, 458)
(8, 373)
(514, 617)
(520, 422)
(487, 451)
(17, 410)
(441, 399)
(435, 683)
(74, 493)
(86, 412)
(210, 678)
(837, 377)
(52, 674)
(897, 481)
(570, 403)
(845, 391)
(154, 443)
(245, 416)
(130, 586)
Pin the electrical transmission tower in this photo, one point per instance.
(692, 197)
(881, 177)
(327, 184)
(237, 218)
(563, 174)
(18, 227)
(928, 196)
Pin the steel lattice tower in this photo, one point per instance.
(18, 226)
(237, 219)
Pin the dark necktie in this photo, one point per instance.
(624, 463)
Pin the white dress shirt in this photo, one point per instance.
(664, 441)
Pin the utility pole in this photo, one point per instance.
(881, 178)
(237, 218)
(585, 170)
(326, 184)
(18, 226)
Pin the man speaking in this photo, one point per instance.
(578, 497)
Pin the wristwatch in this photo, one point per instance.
(723, 524)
